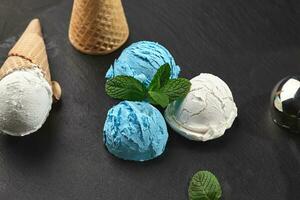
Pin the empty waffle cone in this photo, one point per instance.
(30, 52)
(98, 26)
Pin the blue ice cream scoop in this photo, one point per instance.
(141, 60)
(135, 131)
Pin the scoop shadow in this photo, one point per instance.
(212, 145)
(135, 164)
(36, 147)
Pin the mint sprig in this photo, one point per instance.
(176, 88)
(158, 98)
(126, 88)
(161, 77)
(204, 186)
(161, 91)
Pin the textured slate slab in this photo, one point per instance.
(251, 44)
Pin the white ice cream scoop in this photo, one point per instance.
(206, 112)
(26, 87)
(25, 101)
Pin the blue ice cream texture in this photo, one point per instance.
(135, 131)
(141, 61)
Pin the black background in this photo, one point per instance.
(250, 44)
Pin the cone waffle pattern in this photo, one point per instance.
(98, 26)
(28, 52)
(14, 63)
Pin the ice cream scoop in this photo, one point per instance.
(135, 131)
(26, 86)
(141, 60)
(25, 101)
(206, 112)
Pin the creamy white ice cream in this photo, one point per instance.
(25, 102)
(206, 112)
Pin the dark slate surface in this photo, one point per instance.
(251, 44)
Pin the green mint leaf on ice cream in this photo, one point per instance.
(126, 88)
(176, 88)
(204, 186)
(159, 98)
(161, 77)
(161, 91)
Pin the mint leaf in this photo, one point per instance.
(158, 98)
(161, 91)
(204, 186)
(176, 88)
(161, 77)
(126, 88)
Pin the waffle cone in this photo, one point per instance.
(98, 26)
(28, 52)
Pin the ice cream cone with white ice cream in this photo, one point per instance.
(26, 89)
(206, 112)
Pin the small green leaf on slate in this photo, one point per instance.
(161, 77)
(176, 88)
(204, 186)
(126, 88)
(159, 98)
